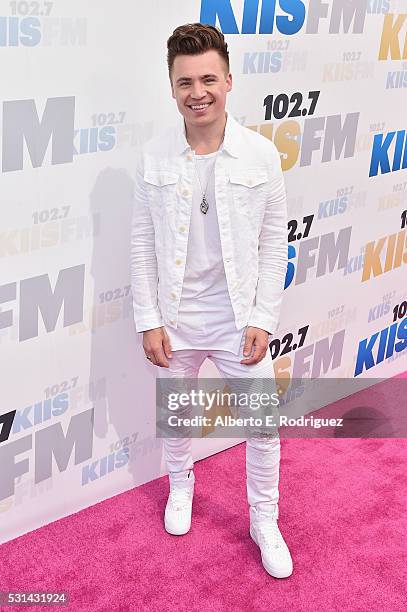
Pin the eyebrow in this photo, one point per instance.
(205, 76)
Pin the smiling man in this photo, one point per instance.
(208, 262)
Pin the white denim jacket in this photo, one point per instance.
(252, 213)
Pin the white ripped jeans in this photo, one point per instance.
(262, 453)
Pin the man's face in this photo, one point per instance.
(200, 79)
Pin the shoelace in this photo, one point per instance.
(180, 498)
(269, 534)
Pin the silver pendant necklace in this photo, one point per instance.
(204, 202)
(204, 205)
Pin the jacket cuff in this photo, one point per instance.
(256, 319)
(148, 320)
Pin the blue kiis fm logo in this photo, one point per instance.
(286, 16)
(389, 152)
(383, 344)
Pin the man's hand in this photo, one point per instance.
(156, 344)
(259, 340)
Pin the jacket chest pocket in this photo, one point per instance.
(162, 190)
(248, 188)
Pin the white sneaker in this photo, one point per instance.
(178, 511)
(275, 556)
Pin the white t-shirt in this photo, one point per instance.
(206, 319)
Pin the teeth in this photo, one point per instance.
(200, 106)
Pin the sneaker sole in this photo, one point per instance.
(268, 569)
(176, 532)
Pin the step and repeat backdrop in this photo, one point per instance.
(84, 86)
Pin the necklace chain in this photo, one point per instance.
(204, 203)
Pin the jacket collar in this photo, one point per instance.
(230, 141)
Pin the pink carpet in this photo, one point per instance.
(342, 512)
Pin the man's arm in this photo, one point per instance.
(143, 260)
(273, 254)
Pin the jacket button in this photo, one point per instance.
(173, 296)
(172, 322)
(182, 228)
(178, 262)
(185, 192)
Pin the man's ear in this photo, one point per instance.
(229, 81)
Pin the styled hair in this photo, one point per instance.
(194, 39)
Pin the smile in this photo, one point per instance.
(199, 107)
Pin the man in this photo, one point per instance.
(208, 262)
